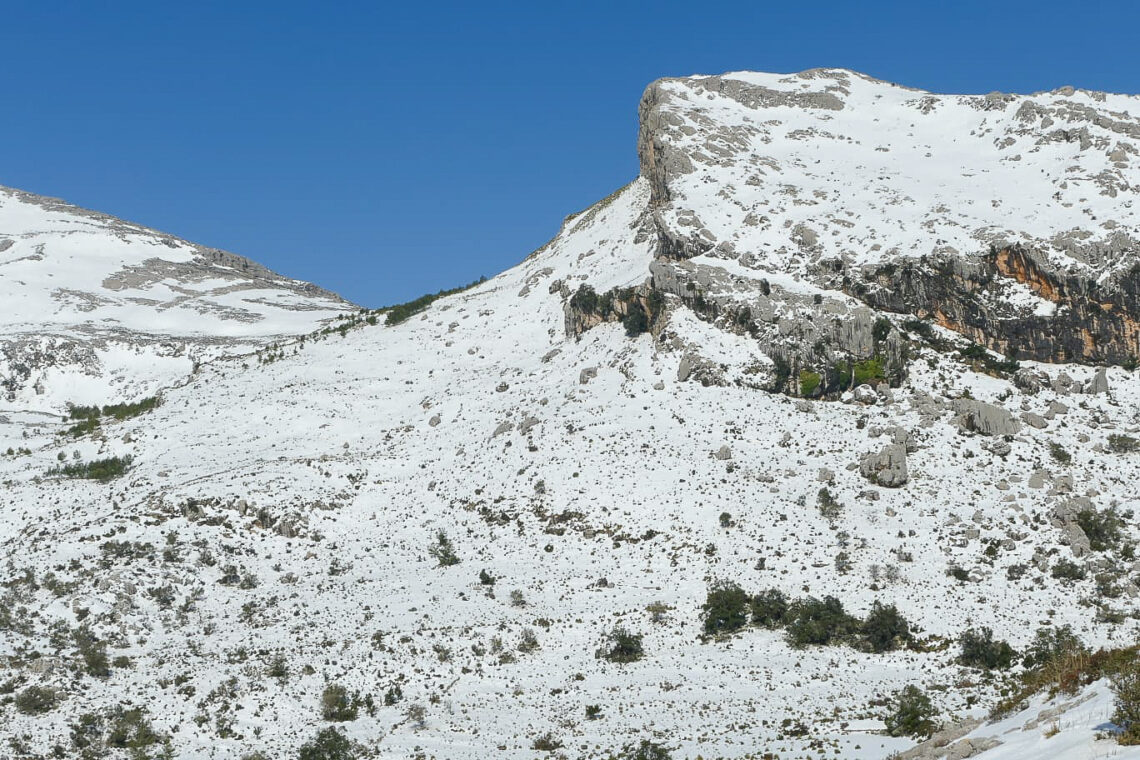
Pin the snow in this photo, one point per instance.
(475, 418)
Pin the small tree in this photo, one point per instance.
(36, 700)
(1126, 687)
(646, 750)
(913, 714)
(329, 744)
(979, 650)
(620, 645)
(442, 550)
(819, 621)
(885, 628)
(337, 705)
(725, 608)
(770, 608)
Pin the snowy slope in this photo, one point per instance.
(91, 302)
(289, 508)
(783, 171)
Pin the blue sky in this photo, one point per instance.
(384, 150)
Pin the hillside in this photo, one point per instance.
(97, 310)
(448, 515)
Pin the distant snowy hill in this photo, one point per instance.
(96, 309)
(451, 511)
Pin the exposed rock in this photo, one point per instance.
(1099, 382)
(1034, 420)
(987, 419)
(724, 452)
(588, 374)
(886, 468)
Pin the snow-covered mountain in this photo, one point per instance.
(97, 310)
(708, 377)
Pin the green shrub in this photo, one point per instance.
(885, 628)
(1122, 444)
(646, 750)
(546, 743)
(102, 470)
(131, 729)
(770, 608)
(913, 714)
(585, 299)
(337, 705)
(1126, 688)
(1067, 570)
(443, 551)
(1059, 454)
(404, 311)
(1102, 528)
(36, 700)
(329, 744)
(819, 621)
(829, 506)
(635, 321)
(809, 382)
(93, 652)
(725, 608)
(1052, 645)
(620, 645)
(863, 372)
(979, 650)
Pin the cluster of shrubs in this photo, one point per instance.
(636, 319)
(841, 376)
(1058, 662)
(87, 418)
(621, 645)
(401, 312)
(102, 470)
(805, 621)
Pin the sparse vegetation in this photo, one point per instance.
(102, 470)
(726, 608)
(980, 650)
(328, 744)
(405, 311)
(443, 551)
(1123, 444)
(913, 714)
(620, 645)
(36, 700)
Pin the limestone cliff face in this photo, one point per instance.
(1078, 320)
(804, 210)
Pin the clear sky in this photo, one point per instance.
(384, 150)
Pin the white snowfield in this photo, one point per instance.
(787, 170)
(289, 508)
(110, 309)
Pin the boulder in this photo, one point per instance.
(1099, 382)
(986, 419)
(886, 468)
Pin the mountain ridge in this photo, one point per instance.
(451, 518)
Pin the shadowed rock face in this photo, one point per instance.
(1084, 321)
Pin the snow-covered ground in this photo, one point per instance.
(582, 474)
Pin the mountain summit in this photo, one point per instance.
(810, 441)
(106, 308)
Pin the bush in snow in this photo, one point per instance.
(725, 608)
(913, 714)
(620, 645)
(979, 650)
